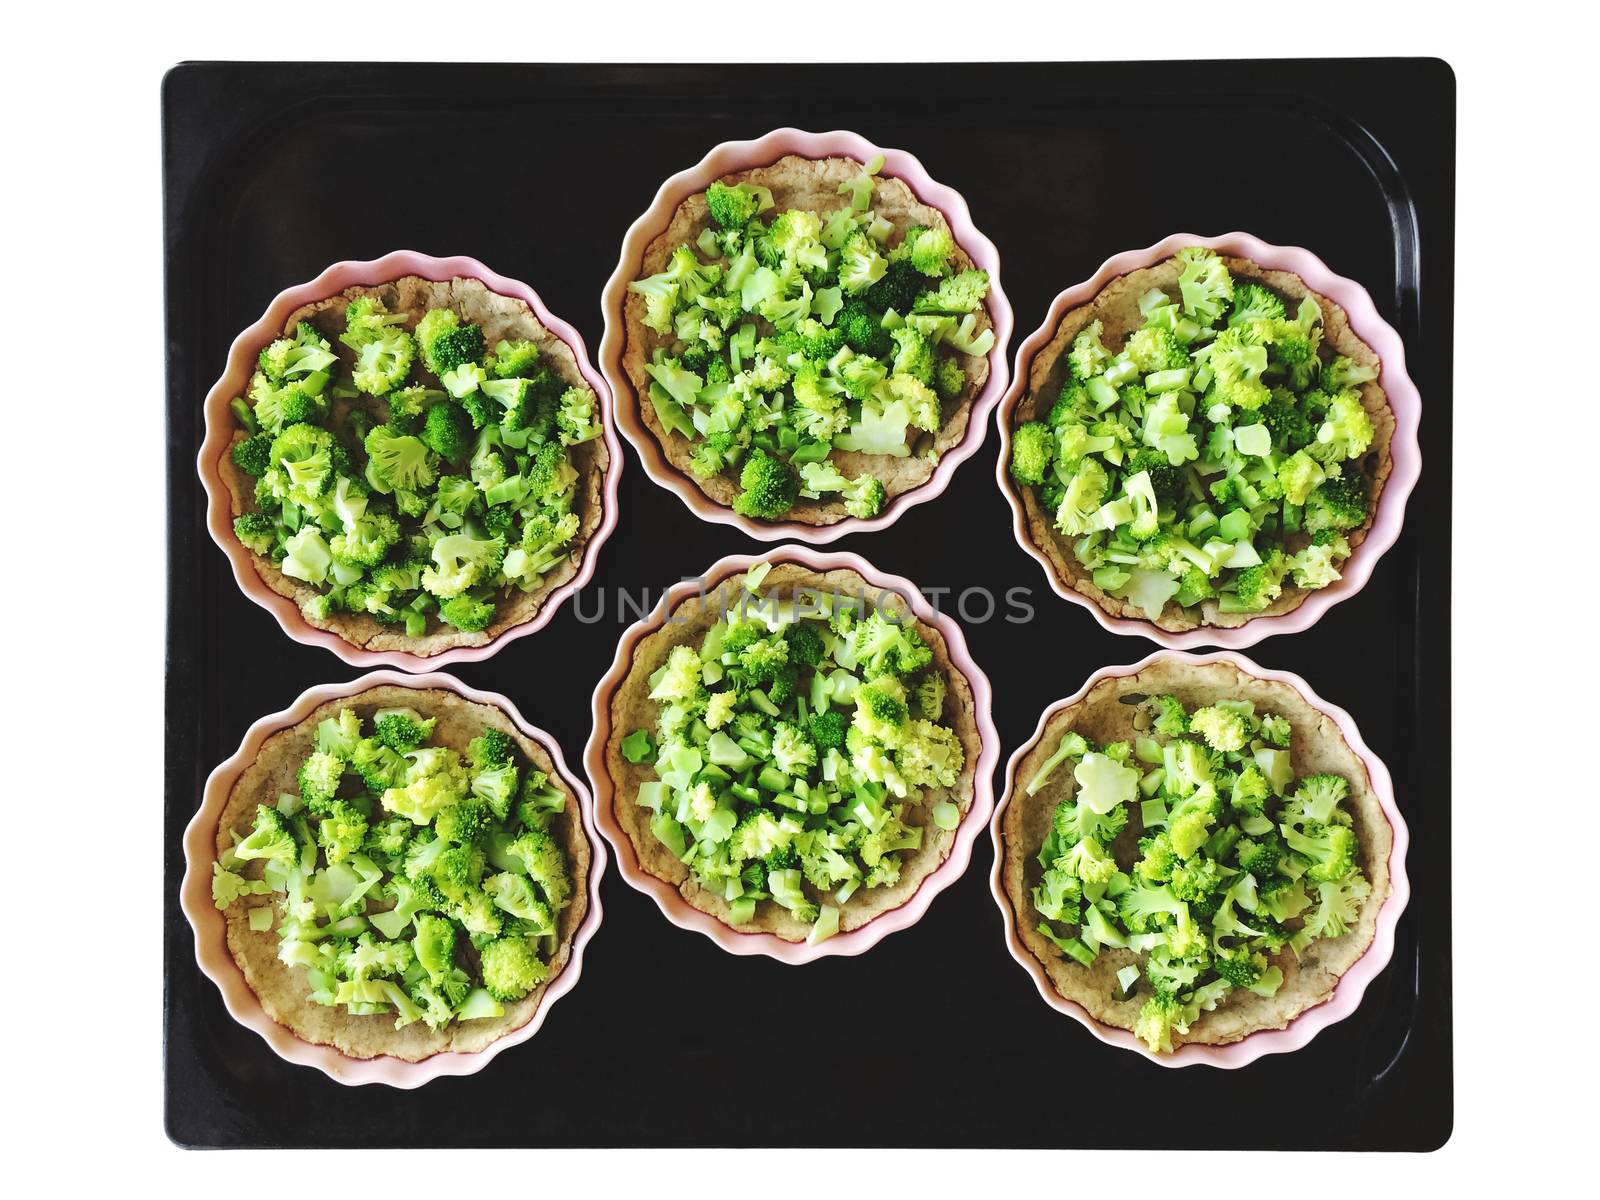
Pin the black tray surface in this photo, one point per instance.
(273, 171)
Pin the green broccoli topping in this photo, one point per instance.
(780, 337)
(1192, 465)
(770, 487)
(797, 757)
(1233, 868)
(441, 486)
(406, 887)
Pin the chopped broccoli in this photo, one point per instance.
(770, 487)
(733, 206)
(1033, 446)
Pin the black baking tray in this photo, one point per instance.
(935, 1037)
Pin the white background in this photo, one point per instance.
(84, 598)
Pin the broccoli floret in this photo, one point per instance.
(269, 837)
(864, 496)
(770, 485)
(1081, 501)
(466, 613)
(897, 290)
(1072, 404)
(515, 895)
(1172, 719)
(253, 455)
(913, 354)
(680, 680)
(1317, 797)
(447, 344)
(732, 206)
(1193, 587)
(932, 250)
(1190, 822)
(1157, 859)
(1222, 728)
(1331, 850)
(389, 840)
(881, 711)
(341, 831)
(1258, 586)
(383, 361)
(792, 751)
(434, 945)
(1298, 475)
(540, 799)
(932, 756)
(379, 766)
(513, 358)
(491, 748)
(1088, 356)
(885, 645)
(956, 296)
(827, 730)
(1155, 348)
(1346, 430)
(1260, 856)
(460, 561)
(365, 540)
(1196, 879)
(1166, 480)
(1251, 791)
(319, 778)
(949, 377)
(1252, 302)
(1033, 447)
(543, 862)
(861, 329)
(305, 454)
(398, 460)
(763, 658)
(1239, 967)
(447, 431)
(1340, 374)
(402, 730)
(256, 532)
(1338, 503)
(712, 456)
(462, 823)
(805, 643)
(1204, 283)
(1285, 421)
(860, 264)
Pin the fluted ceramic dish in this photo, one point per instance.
(220, 425)
(672, 904)
(210, 925)
(764, 151)
(1351, 986)
(1405, 453)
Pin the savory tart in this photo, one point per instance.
(793, 751)
(402, 873)
(1194, 854)
(806, 338)
(417, 465)
(1204, 442)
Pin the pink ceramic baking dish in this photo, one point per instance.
(210, 927)
(672, 904)
(1405, 453)
(236, 377)
(1352, 984)
(763, 151)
